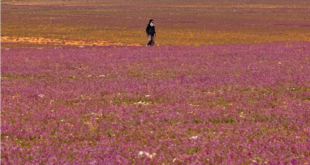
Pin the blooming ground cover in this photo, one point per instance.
(217, 104)
(66, 101)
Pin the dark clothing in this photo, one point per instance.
(150, 30)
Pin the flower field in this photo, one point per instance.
(216, 104)
(228, 82)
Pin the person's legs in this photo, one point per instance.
(153, 41)
(149, 42)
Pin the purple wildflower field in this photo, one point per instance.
(216, 104)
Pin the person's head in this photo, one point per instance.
(151, 22)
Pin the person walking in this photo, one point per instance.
(150, 33)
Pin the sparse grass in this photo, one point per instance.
(125, 25)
